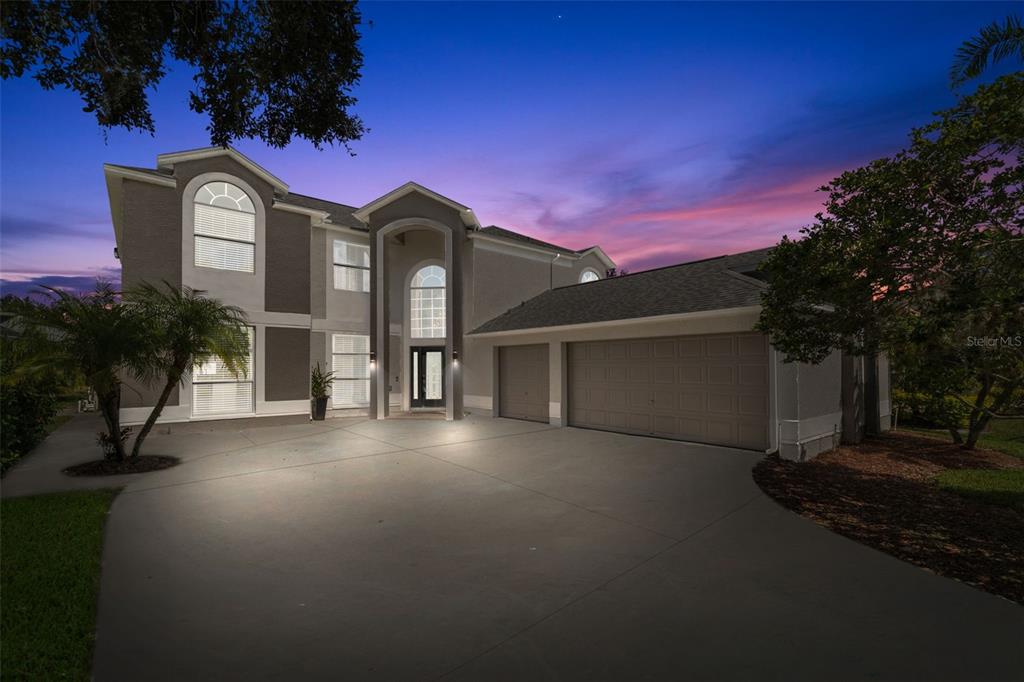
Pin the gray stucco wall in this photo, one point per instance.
(568, 276)
(414, 206)
(186, 170)
(810, 406)
(318, 350)
(151, 249)
(344, 310)
(419, 245)
(135, 394)
(287, 363)
(288, 266)
(502, 281)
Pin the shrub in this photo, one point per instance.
(923, 409)
(27, 404)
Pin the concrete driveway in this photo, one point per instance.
(492, 549)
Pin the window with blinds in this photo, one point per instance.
(351, 365)
(225, 228)
(351, 266)
(218, 391)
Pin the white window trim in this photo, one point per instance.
(249, 378)
(243, 289)
(444, 299)
(334, 404)
(198, 237)
(337, 265)
(585, 271)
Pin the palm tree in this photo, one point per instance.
(91, 337)
(994, 43)
(187, 327)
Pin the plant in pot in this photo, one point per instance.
(320, 384)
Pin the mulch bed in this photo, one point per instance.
(881, 493)
(131, 465)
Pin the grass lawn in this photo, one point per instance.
(1005, 435)
(1002, 487)
(995, 486)
(50, 578)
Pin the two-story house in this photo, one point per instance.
(415, 306)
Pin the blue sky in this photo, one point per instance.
(664, 132)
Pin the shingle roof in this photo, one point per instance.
(703, 285)
(496, 231)
(340, 214)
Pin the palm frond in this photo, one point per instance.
(994, 43)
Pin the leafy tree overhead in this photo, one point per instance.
(263, 69)
(186, 328)
(993, 43)
(921, 256)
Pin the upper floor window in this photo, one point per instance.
(351, 266)
(225, 228)
(427, 303)
(589, 275)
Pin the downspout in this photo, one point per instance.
(551, 271)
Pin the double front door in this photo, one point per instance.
(427, 376)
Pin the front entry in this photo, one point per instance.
(427, 376)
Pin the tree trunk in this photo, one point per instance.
(154, 414)
(977, 420)
(110, 408)
(955, 433)
(978, 426)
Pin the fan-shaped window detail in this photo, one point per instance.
(589, 275)
(225, 228)
(427, 303)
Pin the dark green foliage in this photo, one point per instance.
(50, 579)
(920, 256)
(320, 382)
(930, 410)
(183, 326)
(28, 404)
(993, 43)
(91, 338)
(266, 70)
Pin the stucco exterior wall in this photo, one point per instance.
(151, 249)
(288, 267)
(571, 275)
(342, 310)
(502, 281)
(809, 406)
(136, 394)
(287, 363)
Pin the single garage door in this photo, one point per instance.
(523, 382)
(708, 389)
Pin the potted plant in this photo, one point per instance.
(319, 386)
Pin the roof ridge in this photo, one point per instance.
(329, 201)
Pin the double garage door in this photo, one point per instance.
(709, 389)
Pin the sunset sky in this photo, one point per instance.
(663, 132)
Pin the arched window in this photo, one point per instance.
(426, 303)
(225, 228)
(589, 275)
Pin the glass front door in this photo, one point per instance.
(427, 377)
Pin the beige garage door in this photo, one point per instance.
(523, 382)
(708, 389)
